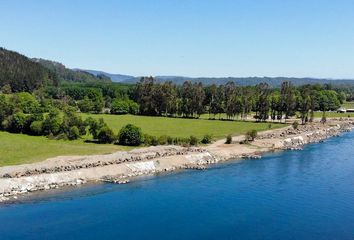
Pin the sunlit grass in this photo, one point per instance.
(20, 148)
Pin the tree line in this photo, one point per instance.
(24, 113)
(193, 99)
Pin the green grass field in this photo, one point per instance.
(348, 105)
(180, 127)
(334, 115)
(20, 148)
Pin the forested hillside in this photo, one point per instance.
(113, 77)
(19, 73)
(248, 81)
(66, 74)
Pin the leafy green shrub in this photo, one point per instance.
(207, 138)
(5, 124)
(251, 135)
(176, 141)
(17, 122)
(52, 122)
(130, 135)
(228, 139)
(162, 140)
(72, 119)
(154, 141)
(105, 135)
(36, 128)
(94, 126)
(193, 140)
(169, 140)
(295, 124)
(25, 101)
(120, 107)
(124, 107)
(150, 140)
(73, 133)
(180, 141)
(86, 105)
(133, 107)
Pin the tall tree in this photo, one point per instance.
(262, 103)
(288, 99)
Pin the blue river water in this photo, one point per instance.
(305, 194)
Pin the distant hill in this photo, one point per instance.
(113, 77)
(21, 73)
(25, 74)
(67, 74)
(249, 81)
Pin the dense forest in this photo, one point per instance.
(66, 74)
(247, 81)
(19, 73)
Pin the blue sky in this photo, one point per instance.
(299, 38)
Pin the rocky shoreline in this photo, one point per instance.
(121, 167)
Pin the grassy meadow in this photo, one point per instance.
(20, 148)
(181, 127)
(334, 115)
(348, 105)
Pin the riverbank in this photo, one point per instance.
(122, 166)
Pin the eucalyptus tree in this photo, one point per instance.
(275, 106)
(198, 99)
(262, 101)
(230, 100)
(288, 99)
(144, 96)
(304, 104)
(248, 100)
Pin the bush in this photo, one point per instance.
(124, 107)
(73, 133)
(71, 119)
(251, 135)
(120, 107)
(86, 105)
(94, 126)
(5, 124)
(169, 140)
(207, 138)
(162, 140)
(17, 122)
(52, 123)
(130, 135)
(295, 125)
(133, 107)
(105, 135)
(180, 141)
(150, 140)
(25, 101)
(193, 141)
(36, 128)
(228, 139)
